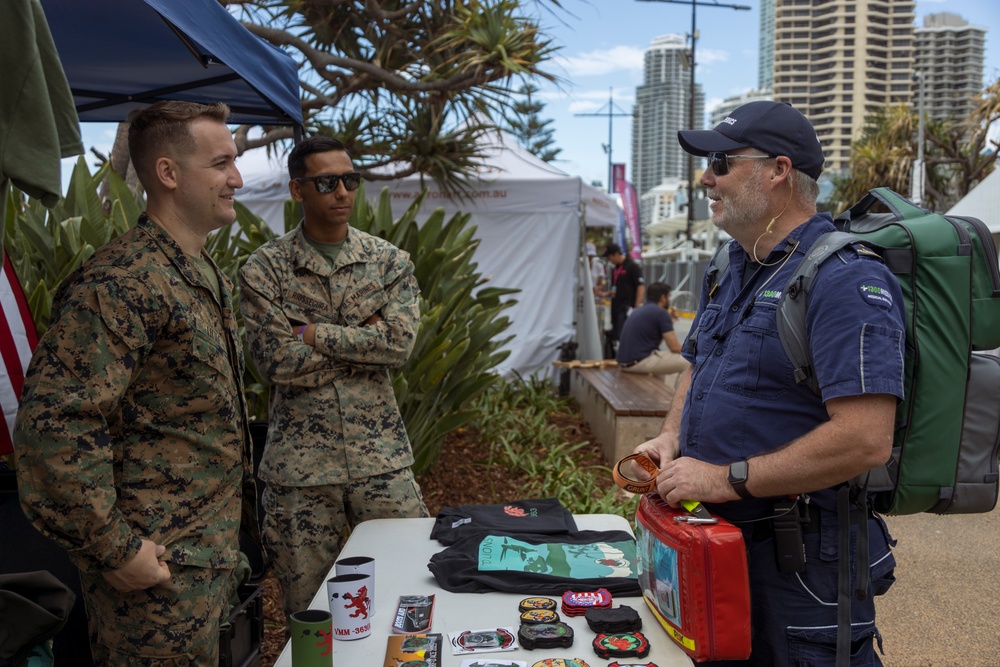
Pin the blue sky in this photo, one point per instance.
(603, 49)
(602, 44)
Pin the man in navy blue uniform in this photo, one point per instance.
(645, 330)
(742, 435)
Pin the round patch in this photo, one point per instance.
(621, 645)
(561, 662)
(875, 292)
(539, 616)
(536, 603)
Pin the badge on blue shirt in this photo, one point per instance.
(875, 292)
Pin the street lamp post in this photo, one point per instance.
(917, 171)
(691, 117)
(611, 106)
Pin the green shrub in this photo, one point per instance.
(515, 424)
(47, 245)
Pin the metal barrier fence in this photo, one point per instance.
(683, 276)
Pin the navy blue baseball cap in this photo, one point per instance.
(776, 128)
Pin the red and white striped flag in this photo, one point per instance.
(18, 339)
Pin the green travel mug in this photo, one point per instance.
(312, 638)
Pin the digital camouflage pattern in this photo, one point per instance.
(133, 422)
(333, 416)
(174, 624)
(337, 451)
(306, 527)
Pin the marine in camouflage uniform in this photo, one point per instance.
(337, 452)
(132, 428)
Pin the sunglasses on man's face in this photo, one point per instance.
(719, 162)
(327, 183)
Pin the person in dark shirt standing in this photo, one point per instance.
(627, 285)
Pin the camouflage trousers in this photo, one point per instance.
(306, 527)
(175, 624)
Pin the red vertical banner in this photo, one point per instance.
(17, 341)
(617, 174)
(630, 204)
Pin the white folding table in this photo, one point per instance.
(403, 547)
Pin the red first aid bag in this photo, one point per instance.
(694, 577)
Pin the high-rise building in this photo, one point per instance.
(765, 46)
(838, 61)
(661, 109)
(948, 64)
(726, 106)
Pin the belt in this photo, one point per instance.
(629, 364)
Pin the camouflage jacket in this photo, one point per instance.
(132, 421)
(333, 416)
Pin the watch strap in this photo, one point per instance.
(740, 485)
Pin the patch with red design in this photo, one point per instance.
(621, 645)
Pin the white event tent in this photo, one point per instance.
(983, 202)
(530, 218)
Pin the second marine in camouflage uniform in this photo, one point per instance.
(337, 451)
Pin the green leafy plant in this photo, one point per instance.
(47, 245)
(461, 324)
(516, 424)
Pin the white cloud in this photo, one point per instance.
(584, 107)
(587, 101)
(602, 62)
(710, 56)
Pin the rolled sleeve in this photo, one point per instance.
(272, 342)
(387, 343)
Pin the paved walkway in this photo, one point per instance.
(944, 609)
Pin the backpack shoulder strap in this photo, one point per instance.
(717, 268)
(793, 302)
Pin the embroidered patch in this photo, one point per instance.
(876, 293)
(770, 294)
(867, 252)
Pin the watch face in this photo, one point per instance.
(738, 471)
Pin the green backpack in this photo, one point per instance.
(947, 438)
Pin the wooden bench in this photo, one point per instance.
(623, 409)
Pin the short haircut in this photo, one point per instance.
(656, 290)
(163, 129)
(306, 147)
(806, 188)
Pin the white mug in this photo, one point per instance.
(350, 602)
(359, 565)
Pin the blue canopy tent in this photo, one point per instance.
(120, 55)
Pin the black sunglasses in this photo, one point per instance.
(327, 183)
(719, 162)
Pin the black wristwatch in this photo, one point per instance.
(738, 478)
